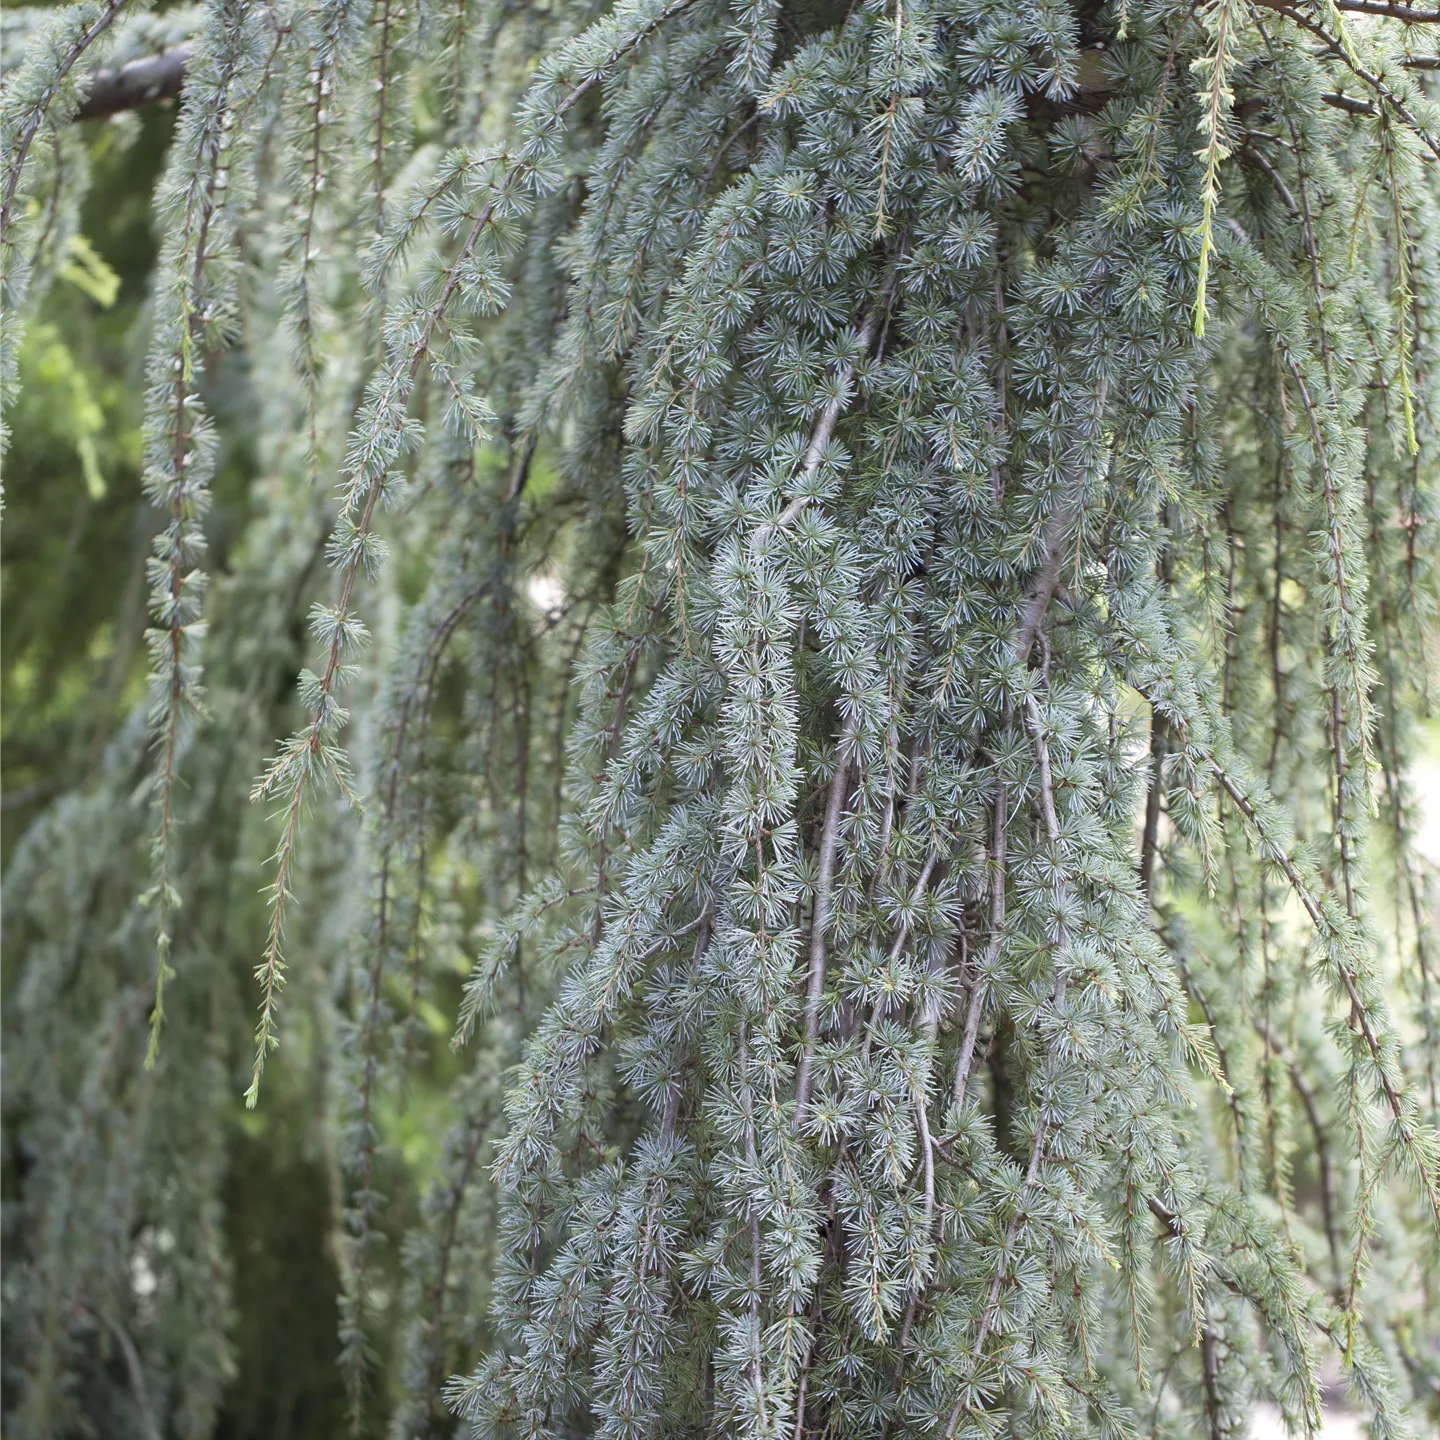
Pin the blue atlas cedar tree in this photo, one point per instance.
(901, 541)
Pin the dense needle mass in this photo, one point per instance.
(880, 573)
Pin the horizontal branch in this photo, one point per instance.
(1348, 104)
(1408, 13)
(153, 78)
(141, 82)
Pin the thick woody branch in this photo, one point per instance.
(1348, 104)
(142, 82)
(1408, 13)
(153, 78)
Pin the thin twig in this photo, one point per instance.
(820, 920)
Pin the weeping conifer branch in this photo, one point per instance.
(199, 298)
(803, 436)
(40, 96)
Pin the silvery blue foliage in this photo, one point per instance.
(898, 537)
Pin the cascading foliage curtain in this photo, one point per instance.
(899, 537)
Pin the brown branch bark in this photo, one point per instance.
(1408, 13)
(142, 82)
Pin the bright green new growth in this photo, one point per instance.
(920, 720)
